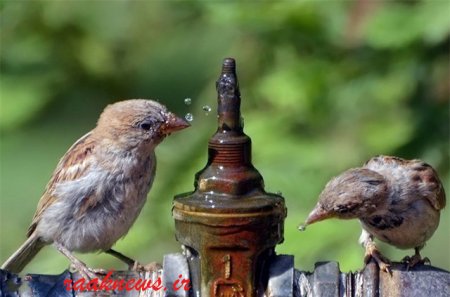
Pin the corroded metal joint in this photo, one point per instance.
(229, 224)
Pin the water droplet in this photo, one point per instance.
(187, 101)
(302, 227)
(206, 109)
(189, 117)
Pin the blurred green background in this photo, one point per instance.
(325, 86)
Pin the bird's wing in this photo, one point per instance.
(429, 185)
(71, 167)
(437, 199)
(433, 189)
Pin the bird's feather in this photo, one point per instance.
(71, 167)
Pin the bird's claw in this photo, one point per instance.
(86, 272)
(386, 267)
(135, 267)
(373, 253)
(383, 265)
(151, 267)
(414, 260)
(426, 260)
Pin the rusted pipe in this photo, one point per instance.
(229, 224)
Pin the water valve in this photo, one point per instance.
(229, 225)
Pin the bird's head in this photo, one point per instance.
(355, 193)
(138, 123)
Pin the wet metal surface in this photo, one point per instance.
(420, 281)
(371, 279)
(326, 279)
(9, 284)
(229, 225)
(282, 281)
(281, 277)
(175, 265)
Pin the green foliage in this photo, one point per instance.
(325, 86)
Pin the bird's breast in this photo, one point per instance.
(93, 212)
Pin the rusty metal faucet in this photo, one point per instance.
(229, 225)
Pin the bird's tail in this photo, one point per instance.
(17, 262)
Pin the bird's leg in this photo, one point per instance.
(372, 252)
(86, 272)
(415, 259)
(133, 265)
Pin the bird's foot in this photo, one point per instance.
(86, 272)
(138, 267)
(150, 267)
(372, 252)
(414, 260)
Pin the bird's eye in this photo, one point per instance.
(345, 208)
(145, 126)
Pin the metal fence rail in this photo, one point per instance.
(283, 281)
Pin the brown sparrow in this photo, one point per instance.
(100, 185)
(398, 201)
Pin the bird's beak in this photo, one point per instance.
(173, 123)
(316, 215)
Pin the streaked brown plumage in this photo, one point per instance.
(100, 185)
(397, 201)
